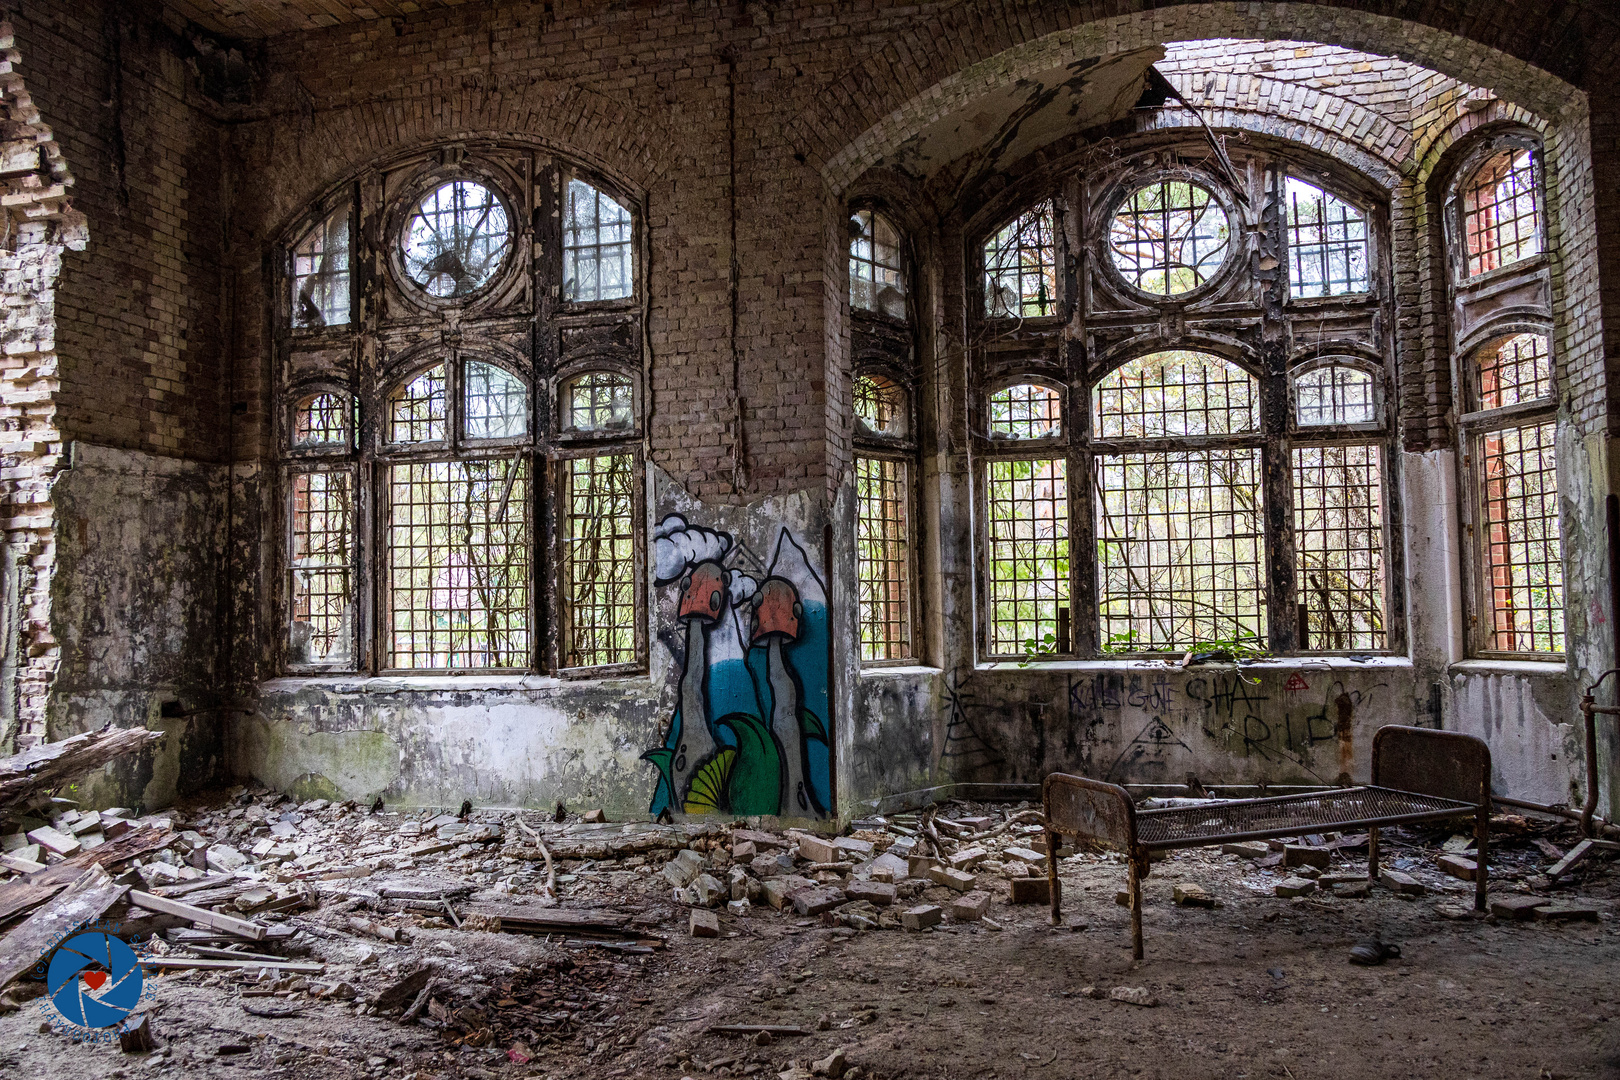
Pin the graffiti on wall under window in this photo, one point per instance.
(751, 729)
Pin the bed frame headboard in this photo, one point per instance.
(1445, 764)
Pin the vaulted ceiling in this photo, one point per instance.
(264, 18)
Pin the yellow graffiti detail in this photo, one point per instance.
(707, 792)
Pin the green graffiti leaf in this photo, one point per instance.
(812, 725)
(662, 758)
(707, 792)
(755, 785)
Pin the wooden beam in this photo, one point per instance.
(179, 962)
(200, 916)
(81, 903)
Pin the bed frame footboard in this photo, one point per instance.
(1103, 813)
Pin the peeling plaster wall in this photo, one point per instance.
(139, 543)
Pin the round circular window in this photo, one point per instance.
(1169, 237)
(456, 240)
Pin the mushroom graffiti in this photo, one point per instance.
(750, 733)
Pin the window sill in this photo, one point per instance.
(395, 684)
(899, 670)
(1274, 663)
(1537, 668)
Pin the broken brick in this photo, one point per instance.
(921, 917)
(1031, 890)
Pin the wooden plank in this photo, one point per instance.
(80, 903)
(186, 887)
(50, 765)
(20, 896)
(199, 916)
(1576, 854)
(291, 967)
(515, 916)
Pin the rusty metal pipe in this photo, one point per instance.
(1602, 824)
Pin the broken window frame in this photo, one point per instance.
(385, 337)
(1291, 233)
(320, 222)
(875, 267)
(1053, 207)
(1230, 250)
(1474, 427)
(405, 213)
(1455, 210)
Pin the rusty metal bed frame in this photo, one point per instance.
(1418, 774)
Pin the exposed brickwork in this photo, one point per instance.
(38, 224)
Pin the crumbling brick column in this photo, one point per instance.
(36, 224)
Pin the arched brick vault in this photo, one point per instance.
(887, 97)
(341, 137)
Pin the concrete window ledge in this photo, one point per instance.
(1278, 663)
(1538, 668)
(394, 684)
(900, 670)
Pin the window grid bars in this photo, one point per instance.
(1020, 267)
(598, 401)
(1174, 394)
(1339, 546)
(1028, 526)
(1335, 394)
(1522, 551)
(1169, 237)
(320, 568)
(599, 558)
(320, 274)
(883, 559)
(1515, 371)
(1501, 220)
(1181, 554)
(875, 280)
(320, 421)
(418, 410)
(1327, 243)
(879, 403)
(458, 564)
(496, 403)
(596, 246)
(1026, 411)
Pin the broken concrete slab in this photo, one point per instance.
(1247, 849)
(1568, 911)
(951, 878)
(1295, 886)
(1458, 866)
(1300, 855)
(684, 868)
(921, 917)
(873, 892)
(814, 901)
(1404, 884)
(777, 890)
(1133, 995)
(1517, 908)
(815, 849)
(970, 907)
(51, 840)
(967, 858)
(1190, 895)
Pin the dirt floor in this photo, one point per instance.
(1256, 987)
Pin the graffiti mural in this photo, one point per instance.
(751, 729)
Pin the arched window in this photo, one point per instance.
(1169, 236)
(876, 279)
(1026, 411)
(1338, 508)
(883, 544)
(472, 427)
(597, 251)
(320, 274)
(1334, 394)
(1511, 434)
(321, 421)
(1020, 266)
(1180, 529)
(599, 401)
(1327, 243)
(1501, 210)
